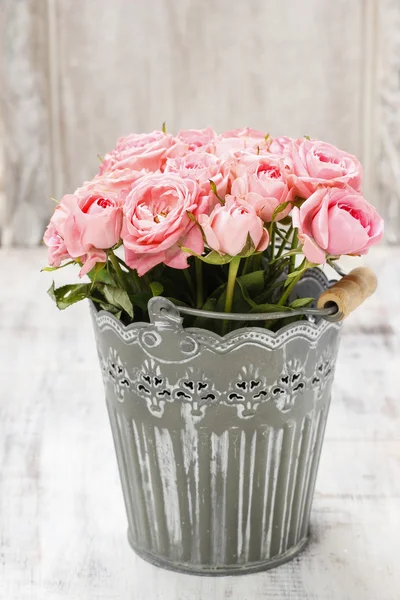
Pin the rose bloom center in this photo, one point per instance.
(269, 171)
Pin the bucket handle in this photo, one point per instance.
(334, 304)
(349, 292)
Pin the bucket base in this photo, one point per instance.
(206, 570)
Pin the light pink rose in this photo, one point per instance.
(139, 151)
(156, 221)
(119, 181)
(57, 250)
(312, 163)
(280, 145)
(197, 138)
(261, 183)
(93, 224)
(239, 139)
(202, 167)
(335, 222)
(227, 228)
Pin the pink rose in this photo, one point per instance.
(93, 223)
(336, 221)
(227, 228)
(239, 139)
(156, 221)
(57, 250)
(119, 181)
(202, 166)
(280, 145)
(197, 138)
(261, 183)
(312, 163)
(139, 151)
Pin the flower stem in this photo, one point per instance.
(303, 267)
(199, 282)
(230, 288)
(189, 281)
(284, 242)
(295, 240)
(117, 269)
(272, 241)
(247, 264)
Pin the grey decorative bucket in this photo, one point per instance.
(217, 439)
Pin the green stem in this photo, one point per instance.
(303, 267)
(117, 269)
(272, 240)
(230, 288)
(246, 264)
(284, 242)
(199, 282)
(295, 240)
(189, 281)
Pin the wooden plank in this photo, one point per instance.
(272, 65)
(387, 149)
(62, 518)
(67, 97)
(26, 131)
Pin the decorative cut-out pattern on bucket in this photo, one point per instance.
(217, 439)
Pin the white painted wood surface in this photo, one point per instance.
(62, 518)
(74, 79)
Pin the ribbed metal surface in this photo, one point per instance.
(217, 439)
(224, 501)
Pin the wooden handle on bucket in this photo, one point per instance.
(349, 292)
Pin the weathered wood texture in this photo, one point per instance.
(388, 115)
(62, 518)
(26, 112)
(76, 79)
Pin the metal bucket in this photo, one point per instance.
(217, 439)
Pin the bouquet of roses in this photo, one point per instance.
(224, 223)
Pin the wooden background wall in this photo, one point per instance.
(76, 74)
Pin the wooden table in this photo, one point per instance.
(62, 520)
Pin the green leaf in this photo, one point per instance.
(291, 275)
(267, 136)
(278, 209)
(292, 252)
(260, 308)
(215, 191)
(245, 294)
(105, 306)
(253, 282)
(213, 258)
(248, 248)
(164, 128)
(300, 302)
(156, 288)
(141, 299)
(298, 201)
(50, 269)
(307, 137)
(118, 297)
(66, 295)
(100, 274)
(101, 159)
